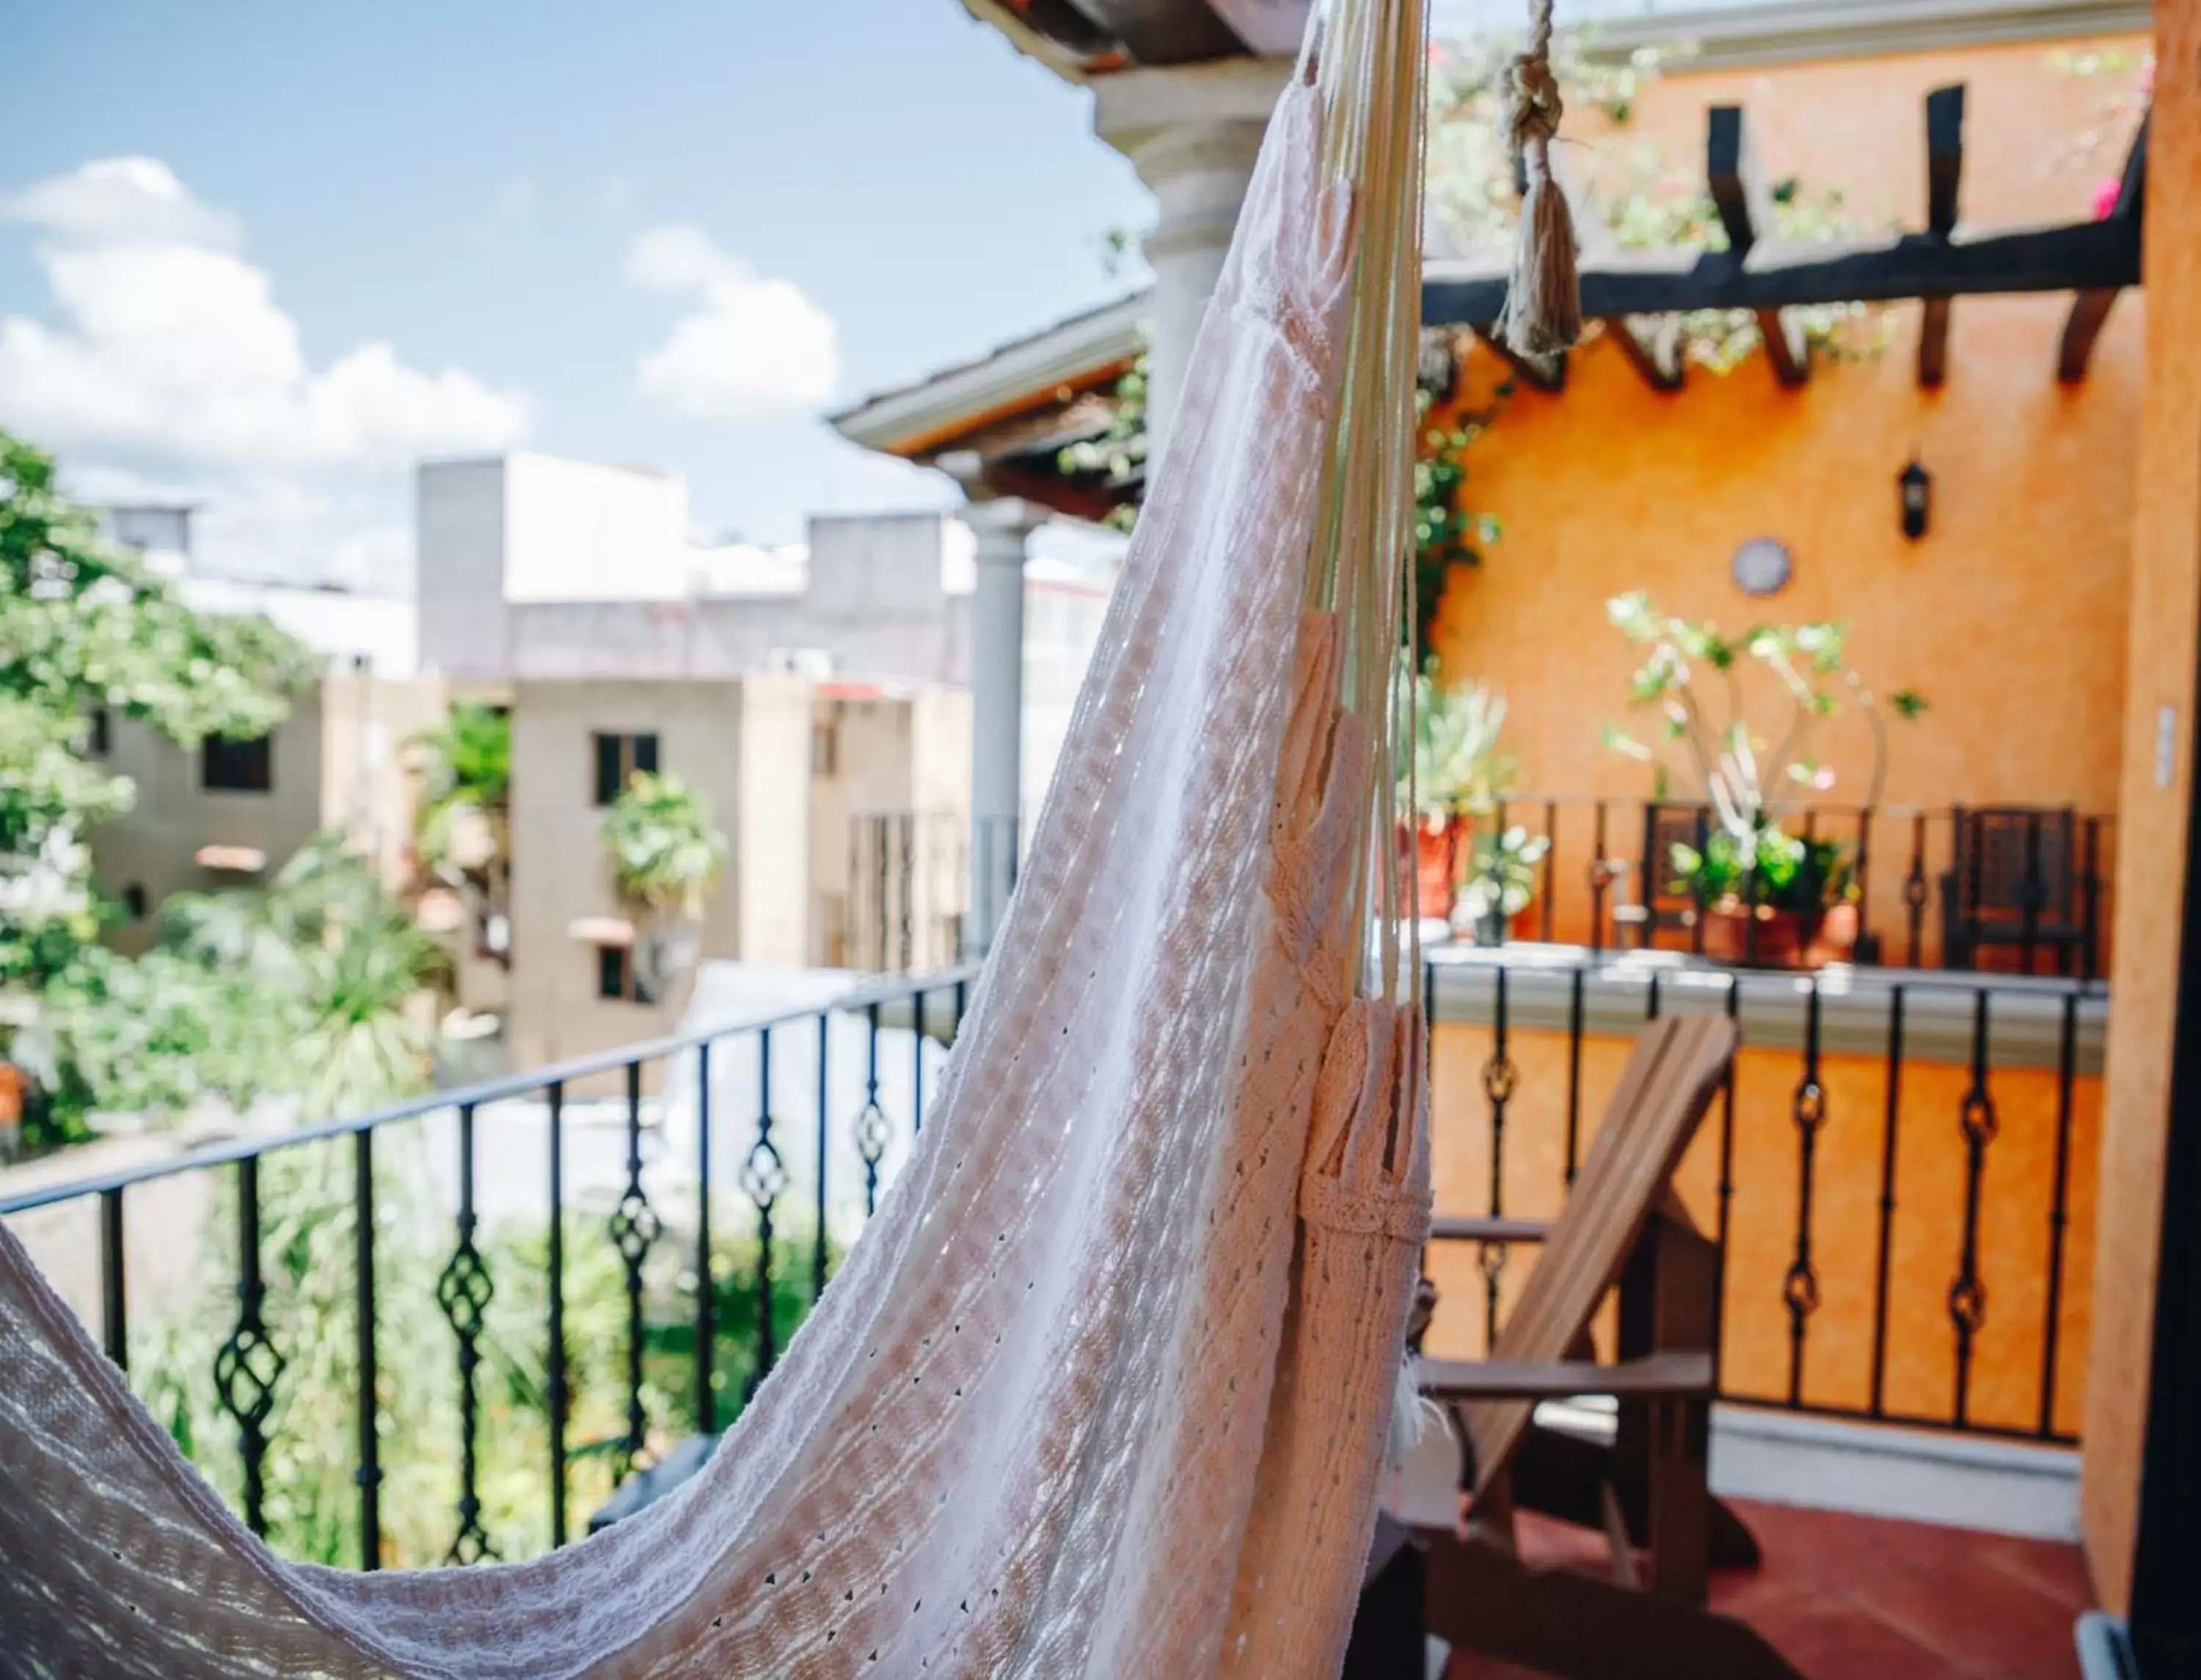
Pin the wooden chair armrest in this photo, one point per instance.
(1653, 1375)
(1456, 1227)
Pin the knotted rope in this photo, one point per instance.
(1543, 299)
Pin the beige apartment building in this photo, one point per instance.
(818, 697)
(791, 768)
(230, 814)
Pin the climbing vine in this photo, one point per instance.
(1626, 192)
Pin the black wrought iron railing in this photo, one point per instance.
(1900, 1174)
(861, 1110)
(2007, 888)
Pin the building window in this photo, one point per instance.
(618, 759)
(618, 979)
(825, 747)
(236, 766)
(612, 970)
(102, 733)
(133, 902)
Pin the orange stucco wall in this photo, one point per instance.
(1927, 1227)
(2011, 615)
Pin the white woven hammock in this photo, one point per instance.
(1104, 1389)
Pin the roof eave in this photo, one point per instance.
(903, 422)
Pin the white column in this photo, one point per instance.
(997, 706)
(1193, 135)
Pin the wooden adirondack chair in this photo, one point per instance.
(1621, 1225)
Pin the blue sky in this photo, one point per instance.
(668, 234)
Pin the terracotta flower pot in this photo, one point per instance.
(1782, 938)
(1437, 852)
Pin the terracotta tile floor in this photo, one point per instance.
(1858, 1598)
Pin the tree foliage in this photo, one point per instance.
(86, 628)
(312, 990)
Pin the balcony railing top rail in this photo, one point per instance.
(861, 995)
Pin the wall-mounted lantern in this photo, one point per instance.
(1916, 485)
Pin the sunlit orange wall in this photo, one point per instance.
(2010, 615)
(1927, 1228)
(2166, 586)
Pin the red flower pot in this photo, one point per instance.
(1782, 938)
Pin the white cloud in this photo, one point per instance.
(172, 357)
(119, 197)
(752, 346)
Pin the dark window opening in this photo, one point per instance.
(236, 766)
(101, 740)
(610, 766)
(825, 748)
(618, 759)
(612, 972)
(133, 902)
(619, 978)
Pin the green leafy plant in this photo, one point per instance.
(665, 853)
(464, 766)
(1501, 877)
(1771, 867)
(1447, 533)
(1117, 458)
(1691, 677)
(314, 989)
(1460, 766)
(666, 856)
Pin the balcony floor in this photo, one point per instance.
(1862, 1598)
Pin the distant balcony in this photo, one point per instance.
(1996, 890)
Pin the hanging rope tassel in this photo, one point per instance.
(1543, 300)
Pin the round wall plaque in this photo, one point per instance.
(1762, 567)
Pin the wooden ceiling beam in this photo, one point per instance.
(2090, 309)
(1165, 31)
(1653, 348)
(1738, 186)
(1548, 374)
(1945, 158)
(1934, 343)
(1787, 352)
(1945, 170)
(1785, 275)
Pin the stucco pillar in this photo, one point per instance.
(1001, 529)
(1192, 134)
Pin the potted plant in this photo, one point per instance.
(666, 856)
(462, 832)
(1771, 898)
(1459, 772)
(1761, 893)
(1501, 882)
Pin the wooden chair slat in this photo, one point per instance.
(1678, 1065)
